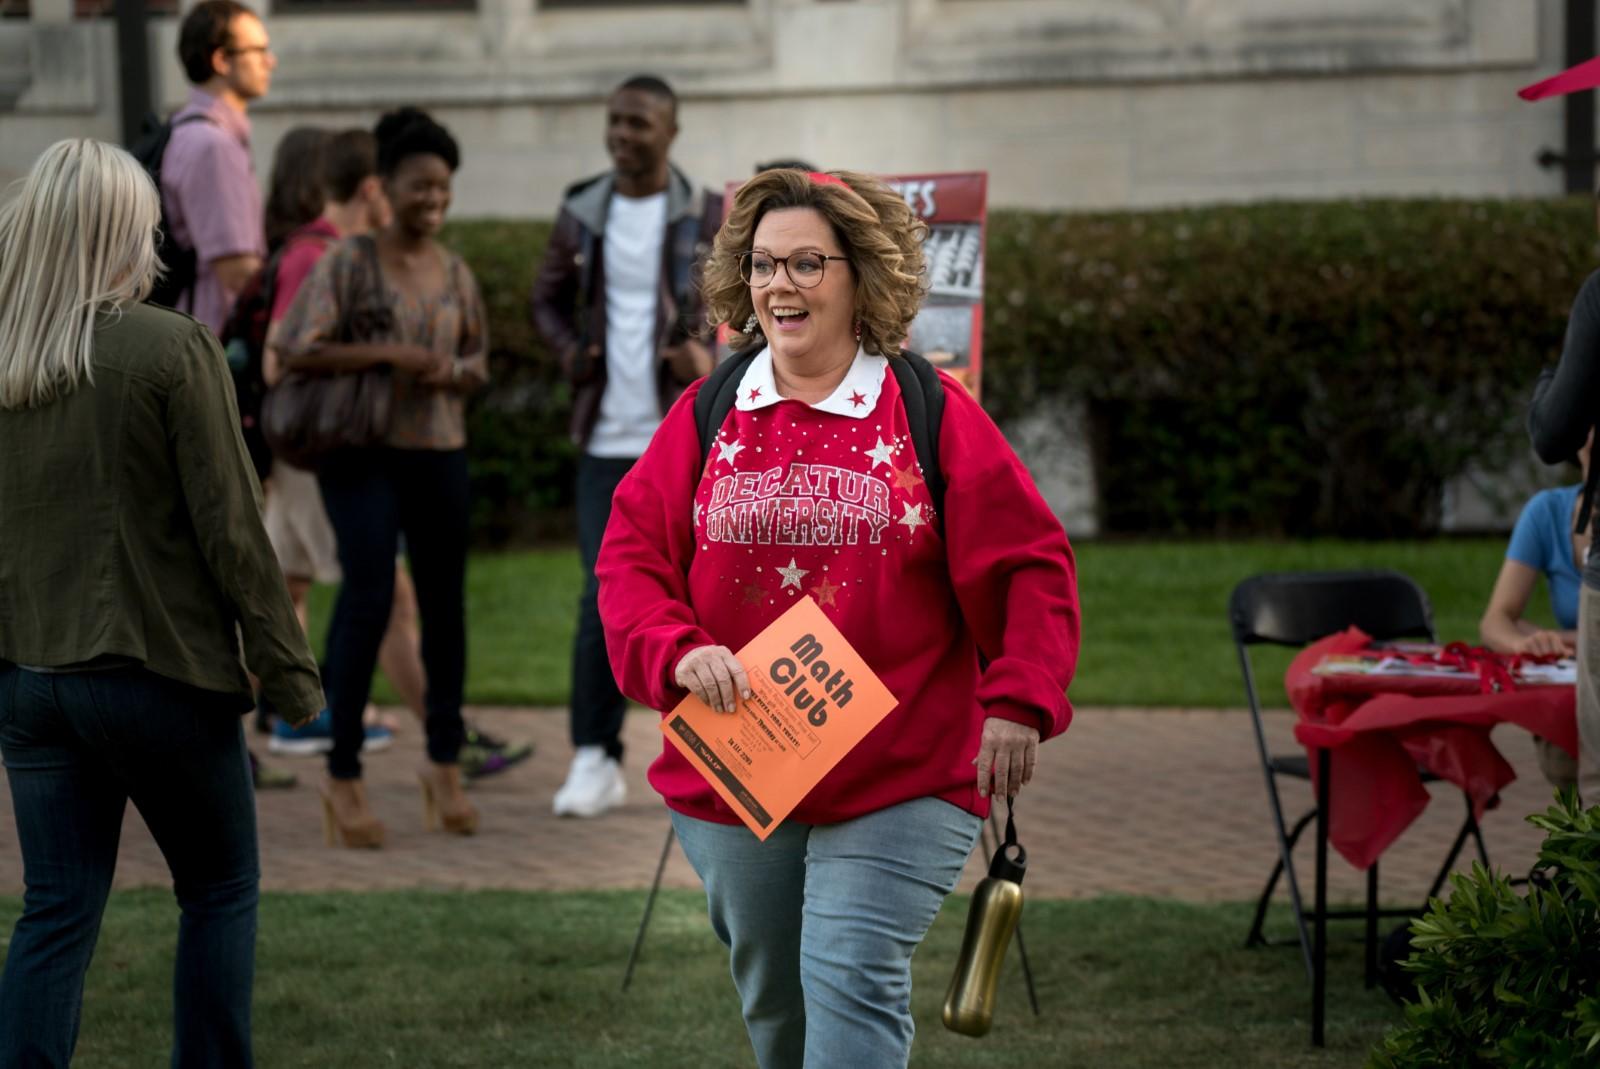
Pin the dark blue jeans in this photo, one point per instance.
(77, 748)
(597, 703)
(372, 496)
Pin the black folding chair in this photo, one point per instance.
(1295, 609)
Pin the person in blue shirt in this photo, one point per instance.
(1542, 543)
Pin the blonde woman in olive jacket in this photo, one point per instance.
(133, 565)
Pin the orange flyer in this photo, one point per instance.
(812, 698)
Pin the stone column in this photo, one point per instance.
(64, 77)
(50, 12)
(503, 25)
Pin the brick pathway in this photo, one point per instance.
(1167, 803)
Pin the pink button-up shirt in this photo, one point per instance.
(210, 196)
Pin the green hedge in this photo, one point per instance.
(522, 458)
(1276, 368)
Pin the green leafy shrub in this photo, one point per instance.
(521, 455)
(1509, 980)
(1280, 368)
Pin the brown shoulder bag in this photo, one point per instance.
(309, 414)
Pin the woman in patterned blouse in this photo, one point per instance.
(398, 299)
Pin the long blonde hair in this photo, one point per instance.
(77, 240)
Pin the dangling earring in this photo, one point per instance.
(753, 324)
(858, 330)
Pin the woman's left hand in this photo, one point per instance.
(1006, 756)
(460, 374)
(443, 375)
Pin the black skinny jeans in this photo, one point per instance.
(372, 496)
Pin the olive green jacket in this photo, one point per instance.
(130, 523)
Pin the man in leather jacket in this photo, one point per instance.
(617, 299)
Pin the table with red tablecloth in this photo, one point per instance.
(1379, 728)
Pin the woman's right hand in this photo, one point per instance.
(418, 360)
(1542, 643)
(714, 675)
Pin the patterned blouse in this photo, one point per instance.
(341, 302)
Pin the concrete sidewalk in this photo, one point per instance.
(1168, 803)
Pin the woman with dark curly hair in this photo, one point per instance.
(398, 298)
(967, 612)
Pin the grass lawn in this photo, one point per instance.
(1155, 627)
(489, 979)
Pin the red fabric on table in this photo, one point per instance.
(1379, 729)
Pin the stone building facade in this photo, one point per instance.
(1067, 103)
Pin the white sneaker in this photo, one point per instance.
(594, 785)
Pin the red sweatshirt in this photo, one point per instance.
(829, 500)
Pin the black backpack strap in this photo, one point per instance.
(166, 139)
(269, 275)
(716, 397)
(922, 394)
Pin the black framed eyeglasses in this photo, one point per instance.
(247, 49)
(805, 269)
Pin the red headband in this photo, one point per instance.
(823, 179)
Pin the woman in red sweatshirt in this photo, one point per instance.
(968, 615)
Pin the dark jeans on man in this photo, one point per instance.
(78, 746)
(597, 704)
(372, 496)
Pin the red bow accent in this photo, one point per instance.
(1496, 672)
(822, 178)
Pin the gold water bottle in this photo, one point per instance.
(991, 919)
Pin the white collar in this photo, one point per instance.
(856, 396)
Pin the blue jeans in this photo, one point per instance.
(598, 706)
(77, 748)
(821, 922)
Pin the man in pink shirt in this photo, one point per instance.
(208, 186)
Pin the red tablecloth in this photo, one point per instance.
(1378, 729)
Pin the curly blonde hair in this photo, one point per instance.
(877, 230)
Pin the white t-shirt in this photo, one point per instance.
(630, 410)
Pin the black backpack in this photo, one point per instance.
(244, 338)
(920, 392)
(181, 267)
(244, 341)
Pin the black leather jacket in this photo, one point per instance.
(568, 302)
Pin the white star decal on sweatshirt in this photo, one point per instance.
(881, 454)
(792, 575)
